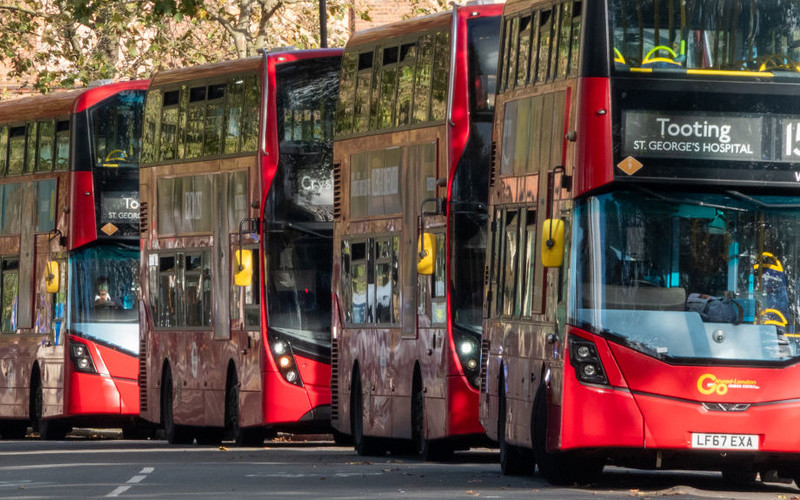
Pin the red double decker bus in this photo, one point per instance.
(237, 200)
(69, 182)
(411, 155)
(641, 304)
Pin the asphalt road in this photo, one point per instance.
(101, 466)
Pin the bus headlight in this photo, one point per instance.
(586, 362)
(282, 354)
(279, 347)
(469, 354)
(467, 347)
(80, 357)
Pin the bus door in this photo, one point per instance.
(237, 320)
(432, 325)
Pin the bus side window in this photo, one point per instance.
(167, 302)
(168, 137)
(9, 287)
(529, 290)
(441, 72)
(510, 261)
(422, 80)
(359, 283)
(16, 150)
(195, 276)
(3, 149)
(439, 291)
(347, 283)
(44, 156)
(31, 149)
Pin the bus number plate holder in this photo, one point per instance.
(702, 440)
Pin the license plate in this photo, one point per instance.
(725, 441)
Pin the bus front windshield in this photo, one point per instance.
(117, 130)
(104, 293)
(299, 211)
(725, 35)
(690, 277)
(470, 188)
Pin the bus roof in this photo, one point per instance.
(39, 106)
(169, 77)
(244, 65)
(514, 6)
(400, 28)
(61, 103)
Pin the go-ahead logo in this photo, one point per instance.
(710, 384)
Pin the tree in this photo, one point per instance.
(50, 43)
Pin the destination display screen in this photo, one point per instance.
(743, 137)
(120, 207)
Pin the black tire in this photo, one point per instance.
(559, 468)
(136, 431)
(364, 445)
(248, 436)
(174, 433)
(48, 429)
(209, 435)
(514, 460)
(13, 429)
(342, 439)
(429, 450)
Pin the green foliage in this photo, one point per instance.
(57, 43)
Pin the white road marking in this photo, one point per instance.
(119, 491)
(133, 480)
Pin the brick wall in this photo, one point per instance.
(389, 11)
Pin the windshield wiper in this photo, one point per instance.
(696, 203)
(760, 203)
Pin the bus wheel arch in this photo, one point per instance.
(514, 460)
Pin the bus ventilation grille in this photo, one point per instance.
(493, 168)
(143, 217)
(337, 191)
(484, 361)
(335, 380)
(142, 374)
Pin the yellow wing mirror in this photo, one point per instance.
(427, 254)
(244, 268)
(52, 276)
(553, 243)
